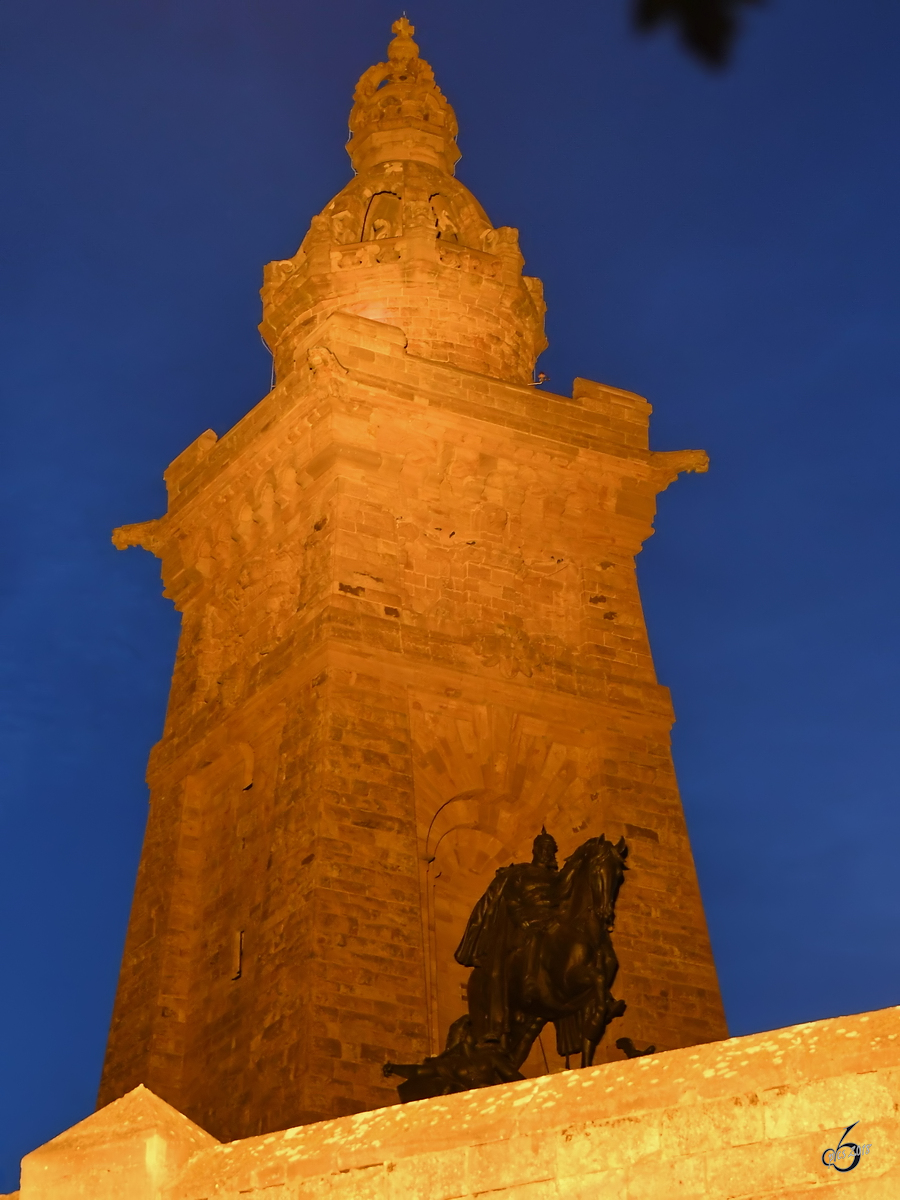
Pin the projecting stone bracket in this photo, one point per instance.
(667, 465)
(147, 534)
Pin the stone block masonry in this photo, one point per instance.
(411, 636)
(750, 1118)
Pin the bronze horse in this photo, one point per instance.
(563, 970)
(538, 942)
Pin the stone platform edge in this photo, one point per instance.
(749, 1117)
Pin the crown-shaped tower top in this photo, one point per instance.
(407, 244)
(399, 112)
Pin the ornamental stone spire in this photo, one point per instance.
(406, 243)
(399, 112)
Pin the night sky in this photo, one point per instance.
(724, 243)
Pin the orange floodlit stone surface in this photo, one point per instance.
(412, 636)
(751, 1117)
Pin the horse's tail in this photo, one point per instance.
(569, 1033)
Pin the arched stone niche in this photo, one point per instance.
(466, 844)
(487, 779)
(446, 218)
(384, 217)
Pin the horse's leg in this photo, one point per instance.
(523, 1034)
(593, 1033)
(604, 1007)
(406, 1070)
(591, 1041)
(616, 1009)
(594, 1027)
(480, 1002)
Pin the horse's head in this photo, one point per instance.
(606, 863)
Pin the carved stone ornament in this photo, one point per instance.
(401, 94)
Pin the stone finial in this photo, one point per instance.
(402, 48)
(399, 112)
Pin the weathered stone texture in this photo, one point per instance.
(127, 1151)
(411, 635)
(745, 1119)
(749, 1117)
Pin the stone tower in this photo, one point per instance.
(411, 636)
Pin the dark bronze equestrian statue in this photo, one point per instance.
(538, 942)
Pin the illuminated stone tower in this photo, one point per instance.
(411, 636)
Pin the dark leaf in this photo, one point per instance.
(707, 27)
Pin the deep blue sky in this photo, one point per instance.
(724, 244)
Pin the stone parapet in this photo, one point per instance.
(751, 1118)
(129, 1150)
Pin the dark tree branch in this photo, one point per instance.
(707, 27)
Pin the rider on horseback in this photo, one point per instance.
(520, 900)
(528, 891)
(539, 945)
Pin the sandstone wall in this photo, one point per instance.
(745, 1119)
(411, 636)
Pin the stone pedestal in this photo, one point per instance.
(750, 1118)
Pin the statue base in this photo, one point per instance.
(759, 1117)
